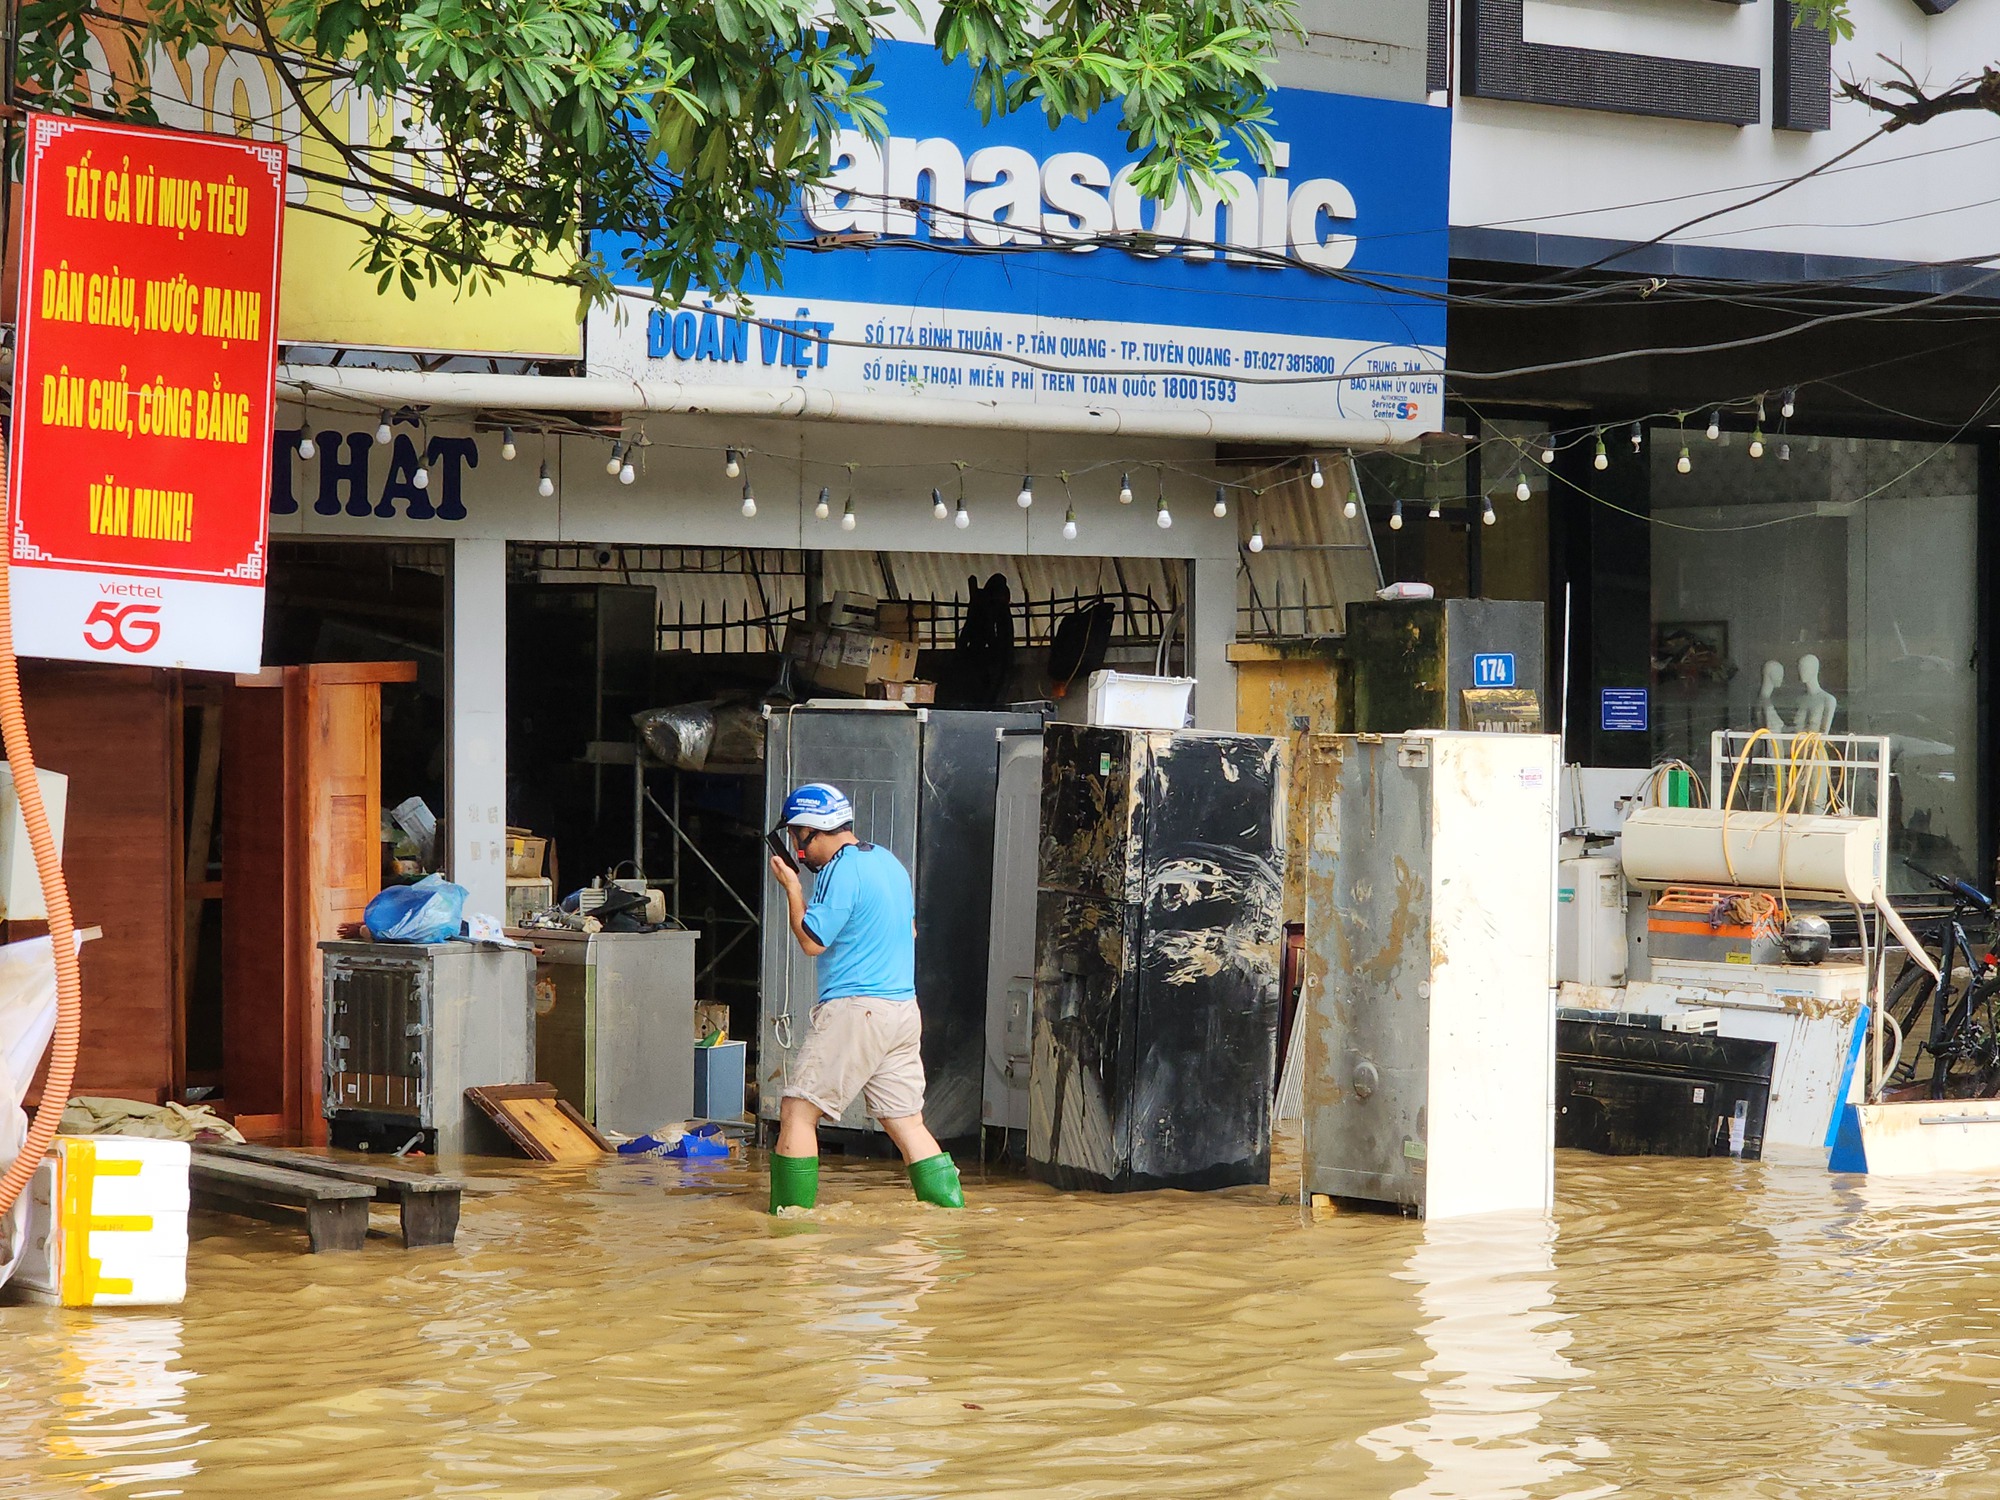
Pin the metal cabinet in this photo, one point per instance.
(923, 784)
(1157, 932)
(1010, 963)
(1415, 661)
(1429, 1038)
(409, 1027)
(614, 1025)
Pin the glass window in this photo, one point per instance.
(1836, 568)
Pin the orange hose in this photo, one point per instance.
(55, 895)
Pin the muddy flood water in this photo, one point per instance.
(640, 1329)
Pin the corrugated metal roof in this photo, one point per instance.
(1314, 561)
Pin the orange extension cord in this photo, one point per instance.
(55, 894)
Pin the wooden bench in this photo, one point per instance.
(336, 1212)
(427, 1204)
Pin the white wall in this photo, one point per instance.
(1581, 172)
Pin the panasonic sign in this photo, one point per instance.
(1004, 195)
(958, 259)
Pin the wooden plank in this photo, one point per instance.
(258, 1183)
(257, 975)
(428, 1204)
(545, 1127)
(358, 673)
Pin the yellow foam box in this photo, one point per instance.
(107, 1224)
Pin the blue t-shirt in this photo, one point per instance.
(862, 913)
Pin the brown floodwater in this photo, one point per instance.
(1679, 1328)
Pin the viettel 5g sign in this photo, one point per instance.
(140, 468)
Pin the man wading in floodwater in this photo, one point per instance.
(866, 1031)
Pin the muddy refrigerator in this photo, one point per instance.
(1158, 919)
(1427, 1030)
(923, 782)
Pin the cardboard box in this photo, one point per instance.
(913, 691)
(899, 619)
(851, 659)
(710, 1015)
(525, 854)
(849, 610)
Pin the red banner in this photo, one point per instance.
(146, 353)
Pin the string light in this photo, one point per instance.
(961, 520)
(1318, 480)
(1784, 453)
(1257, 537)
(1757, 443)
(1548, 449)
(1521, 490)
(626, 473)
(307, 448)
(1486, 509)
(732, 463)
(1221, 503)
(617, 452)
(1027, 496)
(1124, 489)
(1353, 506)
(1714, 425)
(1069, 524)
(847, 521)
(507, 448)
(749, 500)
(1437, 508)
(1163, 517)
(1600, 460)
(422, 478)
(937, 503)
(824, 509)
(382, 433)
(1684, 463)
(1396, 515)
(1789, 403)
(545, 486)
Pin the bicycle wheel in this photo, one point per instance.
(1908, 998)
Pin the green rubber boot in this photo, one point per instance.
(935, 1180)
(794, 1181)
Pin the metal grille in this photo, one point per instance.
(376, 1039)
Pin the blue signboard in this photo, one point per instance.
(1493, 669)
(1623, 709)
(962, 260)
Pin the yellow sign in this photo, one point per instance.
(327, 297)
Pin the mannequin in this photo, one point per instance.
(1767, 708)
(1816, 705)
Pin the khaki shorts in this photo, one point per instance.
(862, 1046)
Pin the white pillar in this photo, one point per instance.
(476, 708)
(1211, 627)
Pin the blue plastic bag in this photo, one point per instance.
(430, 911)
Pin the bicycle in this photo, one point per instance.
(1964, 1038)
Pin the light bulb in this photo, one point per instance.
(626, 473)
(422, 479)
(1318, 479)
(1638, 437)
(847, 521)
(507, 448)
(1521, 490)
(1027, 496)
(1163, 517)
(1784, 453)
(1548, 450)
(1684, 463)
(307, 448)
(732, 462)
(1069, 524)
(1790, 403)
(1760, 411)
(1600, 460)
(823, 509)
(1437, 508)
(1124, 489)
(1353, 506)
(937, 504)
(382, 433)
(1757, 443)
(611, 463)
(1257, 538)
(1396, 515)
(1714, 425)
(545, 486)
(1486, 509)
(1221, 503)
(961, 520)
(749, 500)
